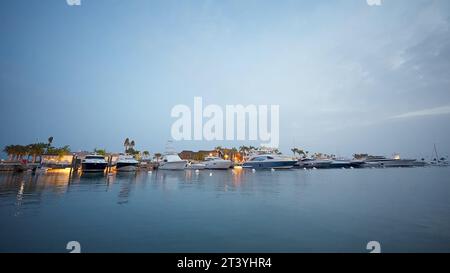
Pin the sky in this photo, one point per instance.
(348, 77)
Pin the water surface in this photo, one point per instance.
(406, 210)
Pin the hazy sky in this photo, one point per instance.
(348, 77)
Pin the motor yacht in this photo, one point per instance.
(269, 161)
(126, 163)
(94, 163)
(217, 163)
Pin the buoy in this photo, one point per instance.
(253, 170)
(272, 170)
(210, 174)
(314, 168)
(197, 171)
(351, 168)
(150, 172)
(304, 169)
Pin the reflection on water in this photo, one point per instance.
(227, 211)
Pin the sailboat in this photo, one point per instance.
(438, 161)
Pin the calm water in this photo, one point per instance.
(230, 211)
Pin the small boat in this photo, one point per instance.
(217, 163)
(195, 166)
(12, 167)
(269, 161)
(310, 163)
(172, 161)
(94, 163)
(438, 161)
(126, 163)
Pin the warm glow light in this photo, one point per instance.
(66, 170)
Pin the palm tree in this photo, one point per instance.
(219, 150)
(132, 144)
(50, 141)
(100, 151)
(37, 149)
(157, 156)
(9, 150)
(22, 151)
(146, 153)
(126, 144)
(15, 152)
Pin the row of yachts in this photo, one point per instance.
(172, 161)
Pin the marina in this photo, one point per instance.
(329, 210)
(223, 135)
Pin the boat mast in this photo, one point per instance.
(435, 152)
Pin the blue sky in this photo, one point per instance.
(348, 77)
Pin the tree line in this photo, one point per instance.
(35, 150)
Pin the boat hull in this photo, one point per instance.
(269, 165)
(196, 167)
(126, 167)
(178, 165)
(218, 165)
(401, 163)
(93, 167)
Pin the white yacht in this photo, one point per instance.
(217, 163)
(171, 160)
(195, 166)
(94, 163)
(269, 161)
(383, 162)
(126, 163)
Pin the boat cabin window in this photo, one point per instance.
(94, 157)
(259, 158)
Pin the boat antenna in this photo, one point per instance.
(435, 152)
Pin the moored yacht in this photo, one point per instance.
(310, 163)
(217, 163)
(439, 161)
(383, 162)
(344, 164)
(195, 166)
(328, 163)
(126, 163)
(94, 163)
(172, 161)
(269, 161)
